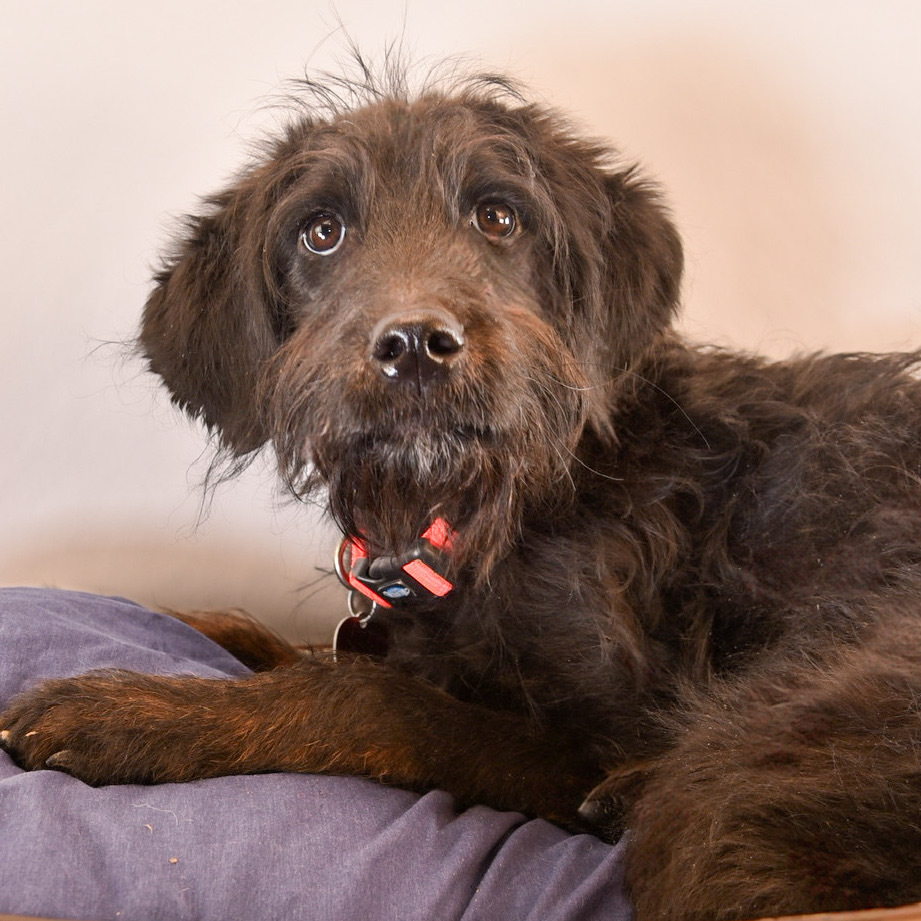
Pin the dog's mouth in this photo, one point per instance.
(468, 435)
(418, 451)
(390, 482)
(475, 433)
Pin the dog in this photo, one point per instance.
(617, 580)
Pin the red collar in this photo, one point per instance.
(419, 574)
(392, 581)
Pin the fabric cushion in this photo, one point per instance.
(255, 847)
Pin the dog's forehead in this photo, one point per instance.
(420, 122)
(403, 141)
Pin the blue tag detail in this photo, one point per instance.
(395, 591)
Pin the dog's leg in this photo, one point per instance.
(352, 717)
(795, 791)
(253, 644)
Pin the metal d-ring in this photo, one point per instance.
(339, 562)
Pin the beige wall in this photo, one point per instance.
(787, 133)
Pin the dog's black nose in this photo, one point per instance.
(417, 349)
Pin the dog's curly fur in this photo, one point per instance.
(688, 579)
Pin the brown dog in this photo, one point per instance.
(678, 590)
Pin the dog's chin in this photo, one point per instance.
(389, 486)
(425, 467)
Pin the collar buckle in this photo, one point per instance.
(419, 574)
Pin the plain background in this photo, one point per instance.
(787, 133)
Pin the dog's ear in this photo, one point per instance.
(621, 274)
(210, 322)
(623, 260)
(618, 257)
(643, 264)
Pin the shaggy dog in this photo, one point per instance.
(626, 583)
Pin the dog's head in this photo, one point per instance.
(421, 303)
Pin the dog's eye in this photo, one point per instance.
(324, 234)
(495, 219)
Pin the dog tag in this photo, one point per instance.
(361, 636)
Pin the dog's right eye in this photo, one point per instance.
(324, 234)
(495, 220)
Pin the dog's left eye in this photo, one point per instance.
(495, 219)
(324, 234)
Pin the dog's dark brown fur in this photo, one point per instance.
(688, 580)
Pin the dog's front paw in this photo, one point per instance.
(63, 724)
(101, 727)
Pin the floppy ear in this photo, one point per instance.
(617, 255)
(621, 259)
(210, 322)
(624, 277)
(629, 289)
(643, 263)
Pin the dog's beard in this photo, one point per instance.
(390, 485)
(391, 489)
